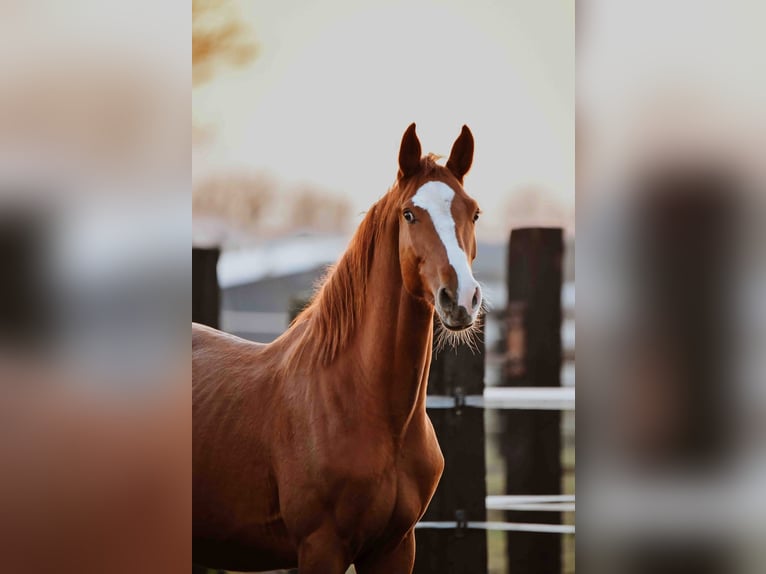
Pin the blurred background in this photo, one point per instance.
(295, 101)
(95, 179)
(671, 283)
(298, 113)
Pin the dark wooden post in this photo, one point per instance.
(206, 293)
(26, 313)
(462, 490)
(206, 309)
(685, 267)
(532, 439)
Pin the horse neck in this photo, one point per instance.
(394, 340)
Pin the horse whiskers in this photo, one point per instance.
(447, 338)
(470, 337)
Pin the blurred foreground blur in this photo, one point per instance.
(671, 288)
(94, 290)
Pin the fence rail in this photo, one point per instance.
(503, 526)
(552, 503)
(522, 398)
(517, 502)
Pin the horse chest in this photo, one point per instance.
(410, 482)
(397, 499)
(382, 492)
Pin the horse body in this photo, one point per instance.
(316, 450)
(340, 441)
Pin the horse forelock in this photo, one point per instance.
(430, 170)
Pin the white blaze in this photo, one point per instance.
(435, 197)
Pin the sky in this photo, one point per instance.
(336, 83)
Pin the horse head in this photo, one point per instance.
(437, 241)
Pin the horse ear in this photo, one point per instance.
(461, 156)
(409, 153)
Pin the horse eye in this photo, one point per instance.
(409, 217)
(476, 216)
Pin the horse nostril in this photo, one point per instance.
(475, 300)
(444, 298)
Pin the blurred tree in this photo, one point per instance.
(218, 38)
(240, 200)
(315, 209)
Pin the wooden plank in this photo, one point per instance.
(534, 507)
(503, 526)
(522, 398)
(206, 294)
(463, 486)
(560, 503)
(552, 503)
(525, 499)
(530, 398)
(527, 527)
(532, 442)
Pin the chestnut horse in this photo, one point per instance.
(315, 450)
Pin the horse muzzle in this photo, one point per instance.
(454, 316)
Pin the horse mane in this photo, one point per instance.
(328, 322)
(330, 319)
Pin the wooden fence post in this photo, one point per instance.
(462, 490)
(206, 310)
(26, 314)
(206, 293)
(532, 439)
